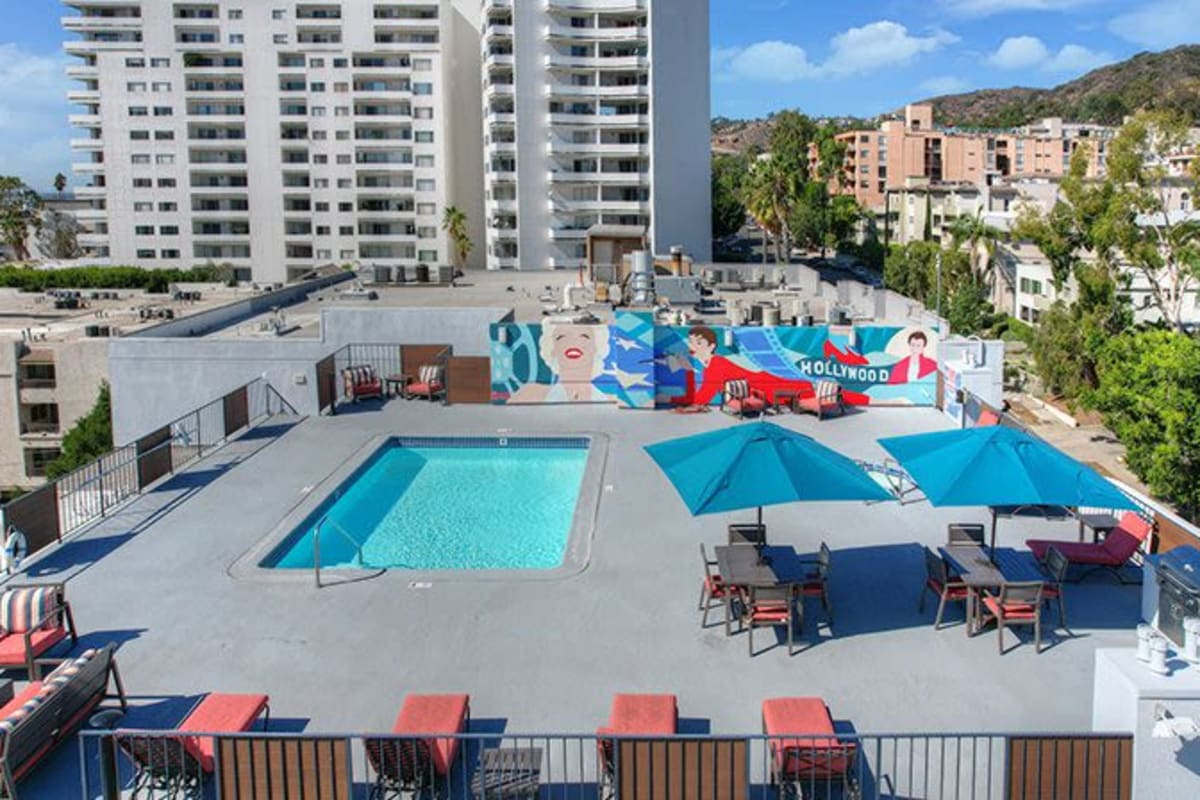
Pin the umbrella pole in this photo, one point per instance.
(762, 536)
(992, 552)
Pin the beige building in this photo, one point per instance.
(885, 160)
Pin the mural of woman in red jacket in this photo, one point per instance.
(916, 365)
(702, 346)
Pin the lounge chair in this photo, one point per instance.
(641, 715)
(987, 418)
(738, 399)
(50, 709)
(800, 764)
(361, 382)
(1117, 548)
(430, 383)
(407, 764)
(178, 764)
(827, 397)
(33, 619)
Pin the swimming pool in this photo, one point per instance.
(434, 504)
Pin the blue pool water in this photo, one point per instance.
(447, 504)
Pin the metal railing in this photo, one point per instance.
(358, 553)
(96, 489)
(934, 766)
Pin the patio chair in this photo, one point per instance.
(748, 533)
(412, 765)
(1056, 566)
(1121, 543)
(177, 765)
(939, 581)
(644, 715)
(816, 583)
(430, 383)
(738, 399)
(33, 619)
(714, 593)
(802, 764)
(827, 397)
(770, 607)
(965, 533)
(361, 382)
(1017, 604)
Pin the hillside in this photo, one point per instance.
(1170, 79)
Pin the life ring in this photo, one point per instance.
(15, 550)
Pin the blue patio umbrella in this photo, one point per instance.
(759, 464)
(998, 466)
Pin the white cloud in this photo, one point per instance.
(987, 8)
(33, 111)
(1029, 52)
(1160, 24)
(945, 84)
(852, 52)
(1019, 52)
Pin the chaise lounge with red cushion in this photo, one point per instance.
(1117, 548)
(33, 619)
(410, 765)
(638, 715)
(796, 760)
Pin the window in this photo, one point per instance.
(341, 87)
(324, 254)
(320, 183)
(135, 63)
(345, 230)
(145, 254)
(343, 158)
(346, 254)
(345, 183)
(139, 136)
(161, 86)
(425, 64)
(168, 207)
(135, 86)
(278, 13)
(320, 158)
(144, 230)
(170, 254)
(320, 206)
(38, 458)
(342, 136)
(422, 88)
(279, 38)
(318, 111)
(166, 183)
(427, 255)
(424, 161)
(341, 63)
(140, 158)
(426, 232)
(163, 111)
(426, 185)
(316, 63)
(38, 376)
(160, 62)
(140, 207)
(166, 158)
(427, 209)
(342, 111)
(142, 183)
(319, 136)
(168, 230)
(423, 137)
(317, 86)
(237, 38)
(322, 230)
(138, 111)
(345, 206)
(235, 13)
(422, 112)
(164, 136)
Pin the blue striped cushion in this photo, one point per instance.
(22, 610)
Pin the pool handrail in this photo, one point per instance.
(317, 546)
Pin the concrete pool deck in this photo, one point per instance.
(549, 655)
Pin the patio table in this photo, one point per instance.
(1099, 523)
(979, 572)
(739, 565)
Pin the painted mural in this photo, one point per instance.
(553, 362)
(636, 364)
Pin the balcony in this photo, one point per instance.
(606, 120)
(84, 120)
(632, 33)
(87, 144)
(631, 91)
(83, 72)
(597, 176)
(597, 62)
(80, 24)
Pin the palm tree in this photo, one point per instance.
(975, 233)
(60, 183)
(771, 193)
(454, 222)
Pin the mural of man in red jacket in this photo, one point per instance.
(702, 346)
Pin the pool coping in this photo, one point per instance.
(576, 555)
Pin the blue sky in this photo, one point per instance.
(824, 57)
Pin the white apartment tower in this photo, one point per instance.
(596, 112)
(272, 135)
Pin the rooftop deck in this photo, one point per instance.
(548, 655)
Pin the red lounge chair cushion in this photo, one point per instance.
(795, 757)
(643, 715)
(1117, 547)
(1010, 611)
(435, 713)
(219, 713)
(12, 646)
(29, 693)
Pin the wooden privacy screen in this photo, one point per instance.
(415, 356)
(237, 410)
(326, 391)
(1168, 535)
(1086, 767)
(469, 379)
(36, 515)
(154, 456)
(283, 768)
(682, 769)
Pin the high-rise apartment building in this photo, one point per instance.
(596, 115)
(271, 136)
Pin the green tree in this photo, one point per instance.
(980, 240)
(791, 134)
(60, 183)
(809, 217)
(1149, 395)
(59, 235)
(927, 232)
(454, 222)
(20, 213)
(728, 210)
(770, 193)
(90, 438)
(831, 157)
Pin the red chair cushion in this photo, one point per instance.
(643, 714)
(220, 713)
(1009, 611)
(12, 646)
(435, 713)
(956, 590)
(715, 586)
(424, 388)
